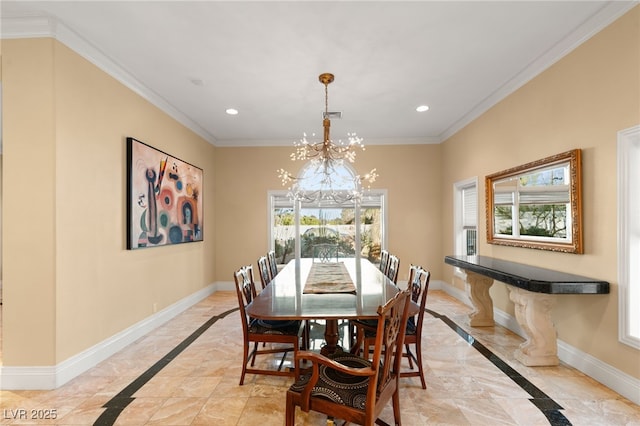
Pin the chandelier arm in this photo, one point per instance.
(326, 164)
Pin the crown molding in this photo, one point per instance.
(604, 17)
(27, 27)
(43, 26)
(228, 143)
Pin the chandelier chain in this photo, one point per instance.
(326, 100)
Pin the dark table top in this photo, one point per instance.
(531, 278)
(283, 298)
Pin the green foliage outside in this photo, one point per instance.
(546, 220)
(326, 233)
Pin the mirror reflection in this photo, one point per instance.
(537, 205)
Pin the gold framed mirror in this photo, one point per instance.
(537, 205)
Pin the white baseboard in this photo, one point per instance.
(452, 291)
(611, 377)
(226, 286)
(45, 378)
(52, 377)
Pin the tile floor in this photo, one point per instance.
(199, 385)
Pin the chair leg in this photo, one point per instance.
(419, 361)
(254, 353)
(290, 413)
(396, 407)
(307, 336)
(296, 366)
(245, 360)
(409, 357)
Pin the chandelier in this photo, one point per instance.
(326, 177)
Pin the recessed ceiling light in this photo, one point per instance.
(232, 111)
(422, 108)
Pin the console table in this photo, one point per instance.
(531, 290)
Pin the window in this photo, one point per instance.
(327, 224)
(629, 235)
(465, 210)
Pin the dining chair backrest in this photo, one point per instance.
(330, 389)
(246, 291)
(273, 263)
(325, 253)
(392, 320)
(393, 268)
(384, 261)
(264, 271)
(419, 286)
(245, 287)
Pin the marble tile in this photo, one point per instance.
(196, 387)
(483, 411)
(159, 386)
(177, 411)
(263, 411)
(522, 411)
(222, 412)
(500, 387)
(140, 410)
(200, 385)
(440, 411)
(85, 413)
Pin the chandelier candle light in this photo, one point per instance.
(326, 176)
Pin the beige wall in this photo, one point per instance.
(410, 173)
(28, 203)
(69, 282)
(580, 102)
(0, 224)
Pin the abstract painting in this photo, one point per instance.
(164, 198)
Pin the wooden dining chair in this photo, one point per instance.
(325, 253)
(418, 285)
(393, 268)
(384, 261)
(255, 331)
(264, 271)
(350, 387)
(273, 263)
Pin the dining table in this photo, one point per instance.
(349, 289)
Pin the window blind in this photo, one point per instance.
(470, 207)
(561, 196)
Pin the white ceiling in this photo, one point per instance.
(264, 58)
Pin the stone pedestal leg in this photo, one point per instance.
(533, 312)
(478, 290)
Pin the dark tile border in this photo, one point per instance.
(542, 401)
(118, 403)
